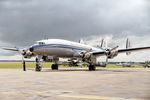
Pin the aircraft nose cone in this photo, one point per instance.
(31, 49)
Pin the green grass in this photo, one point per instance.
(115, 66)
(19, 65)
(48, 65)
(28, 65)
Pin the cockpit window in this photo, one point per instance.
(41, 43)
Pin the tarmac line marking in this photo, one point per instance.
(70, 96)
(97, 97)
(9, 93)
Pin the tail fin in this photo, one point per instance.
(103, 44)
(128, 45)
(81, 41)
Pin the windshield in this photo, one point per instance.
(41, 43)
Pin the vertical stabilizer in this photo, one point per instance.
(128, 45)
(103, 44)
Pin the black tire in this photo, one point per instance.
(92, 68)
(54, 67)
(38, 68)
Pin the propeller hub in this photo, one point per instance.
(23, 52)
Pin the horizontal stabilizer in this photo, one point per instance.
(11, 49)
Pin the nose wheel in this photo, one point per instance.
(54, 67)
(38, 67)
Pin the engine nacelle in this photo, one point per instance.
(112, 54)
(27, 53)
(87, 56)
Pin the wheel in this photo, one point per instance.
(54, 67)
(92, 68)
(38, 68)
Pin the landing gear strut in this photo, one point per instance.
(38, 66)
(54, 66)
(92, 68)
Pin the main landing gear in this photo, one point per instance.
(54, 67)
(92, 68)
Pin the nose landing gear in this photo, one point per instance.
(38, 65)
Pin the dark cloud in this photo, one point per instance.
(24, 21)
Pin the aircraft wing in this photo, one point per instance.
(133, 49)
(101, 53)
(11, 49)
(122, 51)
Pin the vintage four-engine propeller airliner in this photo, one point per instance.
(59, 48)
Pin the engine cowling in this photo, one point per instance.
(27, 53)
(86, 56)
(111, 54)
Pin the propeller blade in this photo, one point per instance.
(114, 48)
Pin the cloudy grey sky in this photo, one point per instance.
(22, 22)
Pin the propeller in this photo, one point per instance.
(26, 53)
(23, 52)
(109, 52)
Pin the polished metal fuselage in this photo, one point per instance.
(61, 48)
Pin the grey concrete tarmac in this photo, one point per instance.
(75, 84)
